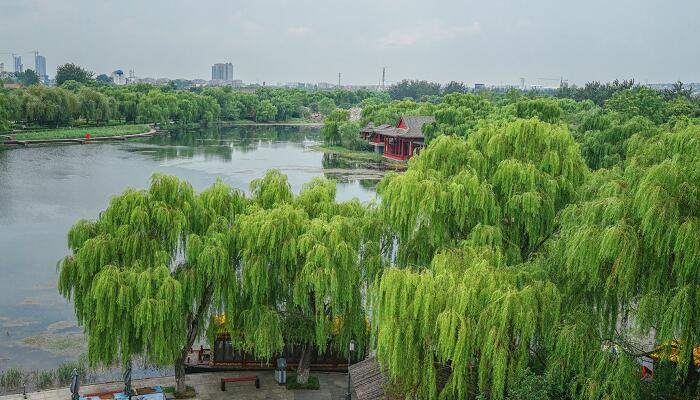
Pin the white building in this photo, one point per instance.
(118, 77)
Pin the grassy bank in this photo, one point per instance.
(78, 133)
(355, 154)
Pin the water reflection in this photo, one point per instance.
(221, 142)
(45, 190)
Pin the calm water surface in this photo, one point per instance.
(45, 190)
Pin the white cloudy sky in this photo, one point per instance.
(496, 41)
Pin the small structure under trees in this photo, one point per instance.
(398, 142)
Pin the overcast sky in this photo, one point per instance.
(489, 41)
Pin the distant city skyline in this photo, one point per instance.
(495, 42)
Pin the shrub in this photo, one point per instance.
(11, 379)
(65, 371)
(44, 378)
(531, 387)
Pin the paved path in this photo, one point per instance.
(208, 387)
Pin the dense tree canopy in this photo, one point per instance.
(100, 102)
(72, 72)
(132, 291)
(147, 276)
(509, 257)
(414, 89)
(29, 78)
(536, 247)
(468, 217)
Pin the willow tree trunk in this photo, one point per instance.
(193, 328)
(180, 383)
(304, 365)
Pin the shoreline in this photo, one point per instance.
(27, 142)
(304, 124)
(354, 154)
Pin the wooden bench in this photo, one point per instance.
(248, 378)
(106, 394)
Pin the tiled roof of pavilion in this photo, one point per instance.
(368, 380)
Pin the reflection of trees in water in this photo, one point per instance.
(219, 143)
(338, 161)
(344, 169)
(370, 184)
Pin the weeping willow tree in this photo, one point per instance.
(302, 261)
(502, 186)
(144, 276)
(631, 251)
(468, 217)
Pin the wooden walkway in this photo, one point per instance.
(13, 142)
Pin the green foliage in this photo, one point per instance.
(546, 110)
(266, 111)
(531, 387)
(43, 105)
(326, 106)
(614, 251)
(29, 78)
(640, 101)
(331, 130)
(389, 113)
(509, 180)
(301, 258)
(454, 87)
(468, 216)
(72, 72)
(595, 91)
(98, 103)
(604, 139)
(11, 378)
(414, 89)
(79, 133)
(65, 370)
(147, 275)
(4, 111)
(44, 378)
(96, 106)
(458, 115)
(144, 276)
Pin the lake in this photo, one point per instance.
(45, 190)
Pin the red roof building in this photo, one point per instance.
(398, 142)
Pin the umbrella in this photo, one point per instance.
(127, 378)
(74, 385)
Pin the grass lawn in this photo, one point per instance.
(312, 384)
(79, 133)
(356, 154)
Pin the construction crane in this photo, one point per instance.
(14, 59)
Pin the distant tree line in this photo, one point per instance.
(602, 117)
(78, 97)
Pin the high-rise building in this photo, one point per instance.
(222, 72)
(18, 64)
(40, 67)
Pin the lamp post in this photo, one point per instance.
(348, 395)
